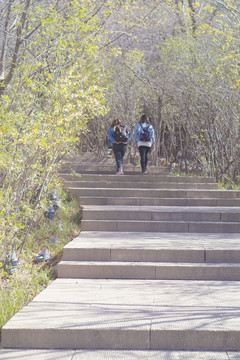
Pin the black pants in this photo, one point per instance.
(119, 152)
(144, 150)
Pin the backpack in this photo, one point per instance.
(120, 134)
(145, 134)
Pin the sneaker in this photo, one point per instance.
(119, 173)
(43, 256)
(144, 172)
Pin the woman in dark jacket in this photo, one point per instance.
(144, 140)
(119, 137)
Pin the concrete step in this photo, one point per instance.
(160, 226)
(164, 213)
(90, 159)
(22, 354)
(148, 270)
(166, 178)
(109, 169)
(145, 201)
(154, 247)
(129, 314)
(156, 193)
(138, 185)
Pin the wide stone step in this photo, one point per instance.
(145, 201)
(137, 178)
(129, 314)
(138, 185)
(154, 247)
(148, 270)
(160, 226)
(109, 169)
(156, 193)
(147, 213)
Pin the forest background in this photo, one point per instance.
(68, 68)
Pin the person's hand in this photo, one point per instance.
(135, 146)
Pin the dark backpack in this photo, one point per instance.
(120, 134)
(145, 134)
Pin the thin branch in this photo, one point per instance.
(4, 83)
(4, 48)
(131, 27)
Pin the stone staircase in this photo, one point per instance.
(153, 274)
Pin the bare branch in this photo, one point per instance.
(4, 47)
(4, 82)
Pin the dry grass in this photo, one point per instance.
(29, 279)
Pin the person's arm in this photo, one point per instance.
(111, 136)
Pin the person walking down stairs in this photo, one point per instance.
(119, 136)
(144, 140)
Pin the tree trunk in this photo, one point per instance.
(4, 82)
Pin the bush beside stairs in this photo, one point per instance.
(154, 269)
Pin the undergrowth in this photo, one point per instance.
(30, 278)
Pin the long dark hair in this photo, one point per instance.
(116, 122)
(144, 119)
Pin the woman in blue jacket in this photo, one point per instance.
(119, 137)
(144, 140)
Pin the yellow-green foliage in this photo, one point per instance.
(29, 279)
(56, 88)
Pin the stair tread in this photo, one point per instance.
(147, 190)
(140, 201)
(151, 208)
(139, 185)
(49, 354)
(130, 181)
(155, 240)
(162, 221)
(168, 175)
(133, 304)
(165, 198)
(148, 263)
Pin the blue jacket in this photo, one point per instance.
(111, 136)
(138, 130)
